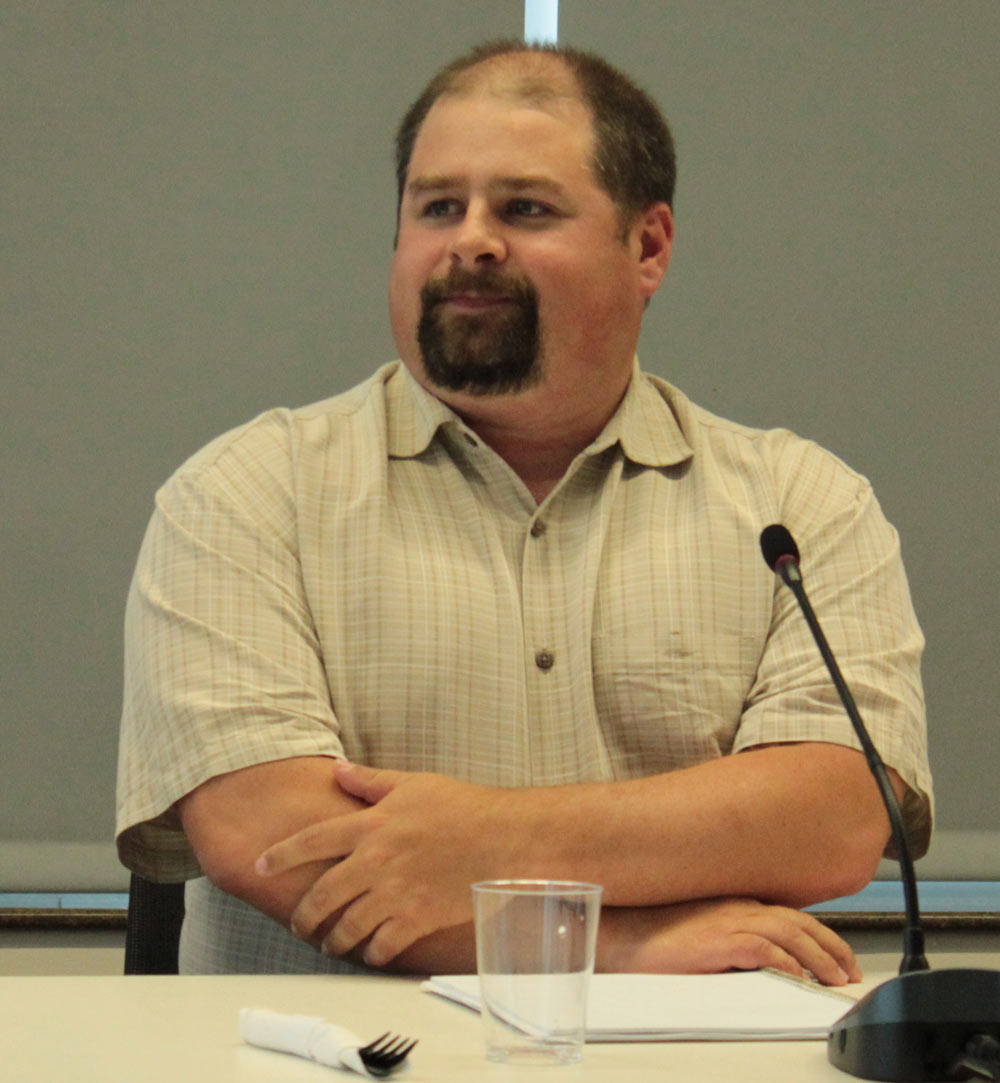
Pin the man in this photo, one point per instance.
(500, 610)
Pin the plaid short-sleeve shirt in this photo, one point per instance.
(365, 577)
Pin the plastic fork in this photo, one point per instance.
(387, 1053)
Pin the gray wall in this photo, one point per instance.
(197, 219)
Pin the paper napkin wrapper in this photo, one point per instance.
(304, 1035)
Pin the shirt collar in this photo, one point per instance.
(644, 425)
(415, 415)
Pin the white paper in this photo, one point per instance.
(739, 1006)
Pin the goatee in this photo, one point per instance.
(489, 351)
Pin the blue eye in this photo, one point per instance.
(527, 208)
(440, 208)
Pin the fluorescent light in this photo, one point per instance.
(541, 21)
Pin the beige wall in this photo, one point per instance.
(76, 952)
(197, 219)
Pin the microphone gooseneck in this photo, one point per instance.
(782, 556)
(923, 1025)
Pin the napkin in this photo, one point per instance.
(304, 1035)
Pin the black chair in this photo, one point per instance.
(153, 929)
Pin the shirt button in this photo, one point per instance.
(538, 528)
(545, 659)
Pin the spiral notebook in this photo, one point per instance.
(759, 1005)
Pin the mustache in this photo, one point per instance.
(487, 283)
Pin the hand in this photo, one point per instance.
(713, 935)
(407, 861)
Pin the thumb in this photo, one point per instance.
(371, 784)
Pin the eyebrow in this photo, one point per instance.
(423, 185)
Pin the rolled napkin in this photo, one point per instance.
(304, 1035)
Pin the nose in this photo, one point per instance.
(478, 238)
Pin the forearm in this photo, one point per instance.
(790, 824)
(704, 936)
(715, 935)
(231, 819)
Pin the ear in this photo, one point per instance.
(653, 233)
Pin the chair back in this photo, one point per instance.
(153, 929)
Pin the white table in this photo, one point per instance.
(183, 1030)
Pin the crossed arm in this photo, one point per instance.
(701, 867)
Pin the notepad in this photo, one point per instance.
(741, 1006)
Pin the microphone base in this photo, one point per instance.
(926, 1025)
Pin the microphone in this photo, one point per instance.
(923, 1024)
(782, 556)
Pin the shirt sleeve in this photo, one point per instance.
(853, 574)
(223, 667)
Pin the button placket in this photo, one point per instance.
(537, 631)
(537, 628)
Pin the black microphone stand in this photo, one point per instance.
(922, 1025)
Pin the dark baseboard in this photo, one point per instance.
(957, 921)
(52, 920)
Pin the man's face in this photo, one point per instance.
(510, 269)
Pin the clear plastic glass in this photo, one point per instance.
(535, 945)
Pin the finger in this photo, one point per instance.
(834, 946)
(391, 938)
(334, 890)
(322, 841)
(788, 933)
(838, 948)
(367, 918)
(371, 784)
(357, 922)
(751, 951)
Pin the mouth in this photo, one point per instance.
(467, 294)
(475, 302)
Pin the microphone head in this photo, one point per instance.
(776, 542)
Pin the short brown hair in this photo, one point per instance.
(634, 157)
